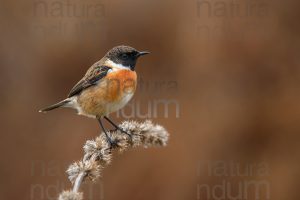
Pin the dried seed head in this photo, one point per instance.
(70, 195)
(146, 133)
(98, 148)
(120, 139)
(90, 168)
(99, 151)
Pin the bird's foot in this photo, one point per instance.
(112, 143)
(122, 131)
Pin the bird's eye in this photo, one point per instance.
(124, 56)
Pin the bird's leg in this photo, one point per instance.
(117, 127)
(112, 143)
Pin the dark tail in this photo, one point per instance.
(54, 106)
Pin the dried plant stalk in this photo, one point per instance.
(98, 152)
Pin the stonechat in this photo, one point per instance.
(107, 86)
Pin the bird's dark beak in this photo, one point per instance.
(141, 53)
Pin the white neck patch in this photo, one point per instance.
(117, 66)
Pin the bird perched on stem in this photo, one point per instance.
(107, 86)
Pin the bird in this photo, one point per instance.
(107, 86)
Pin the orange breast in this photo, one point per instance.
(110, 94)
(120, 83)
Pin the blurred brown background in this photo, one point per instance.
(231, 68)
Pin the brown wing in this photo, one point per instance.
(93, 75)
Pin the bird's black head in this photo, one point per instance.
(125, 55)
